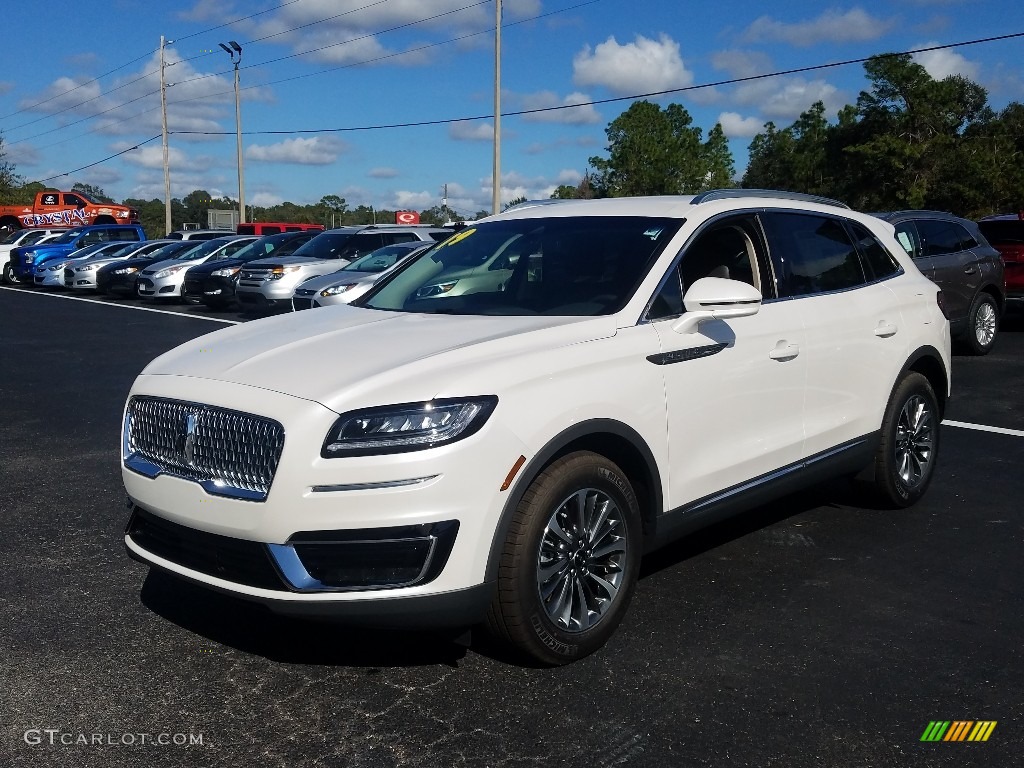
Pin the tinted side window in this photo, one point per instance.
(907, 235)
(812, 254)
(399, 237)
(967, 240)
(878, 263)
(938, 237)
(74, 200)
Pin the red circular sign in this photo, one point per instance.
(407, 217)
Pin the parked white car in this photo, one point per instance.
(165, 279)
(354, 279)
(507, 455)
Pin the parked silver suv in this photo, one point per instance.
(270, 282)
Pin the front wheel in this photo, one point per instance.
(9, 277)
(982, 324)
(905, 459)
(570, 561)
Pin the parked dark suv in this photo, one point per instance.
(955, 255)
(1006, 233)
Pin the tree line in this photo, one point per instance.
(910, 141)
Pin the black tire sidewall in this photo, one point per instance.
(887, 481)
(975, 346)
(547, 642)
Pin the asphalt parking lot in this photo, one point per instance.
(811, 632)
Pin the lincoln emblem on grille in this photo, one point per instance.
(190, 438)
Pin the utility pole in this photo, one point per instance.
(232, 50)
(163, 116)
(496, 192)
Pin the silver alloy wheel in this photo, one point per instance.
(985, 323)
(581, 559)
(914, 441)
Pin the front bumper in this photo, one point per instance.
(449, 495)
(218, 562)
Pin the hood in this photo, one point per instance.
(306, 261)
(331, 355)
(336, 278)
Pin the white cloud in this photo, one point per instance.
(153, 157)
(568, 176)
(786, 98)
(643, 66)
(942, 64)
(22, 154)
(130, 105)
(832, 26)
(471, 130)
(415, 201)
(737, 127)
(264, 199)
(740, 63)
(382, 173)
(547, 100)
(317, 150)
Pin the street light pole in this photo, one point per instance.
(235, 48)
(496, 174)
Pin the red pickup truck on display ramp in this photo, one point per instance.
(53, 208)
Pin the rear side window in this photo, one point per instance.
(125, 234)
(878, 262)
(812, 254)
(906, 234)
(938, 237)
(967, 240)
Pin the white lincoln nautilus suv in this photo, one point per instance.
(626, 371)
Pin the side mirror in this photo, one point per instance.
(715, 298)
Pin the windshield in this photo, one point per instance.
(381, 259)
(257, 249)
(556, 266)
(30, 238)
(324, 246)
(200, 249)
(67, 237)
(166, 251)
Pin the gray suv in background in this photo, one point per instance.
(953, 254)
(270, 282)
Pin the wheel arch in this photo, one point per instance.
(612, 439)
(928, 362)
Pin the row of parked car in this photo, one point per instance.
(979, 265)
(216, 268)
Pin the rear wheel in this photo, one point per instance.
(982, 324)
(905, 459)
(570, 561)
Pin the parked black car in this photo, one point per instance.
(121, 277)
(954, 254)
(214, 283)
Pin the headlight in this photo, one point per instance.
(435, 290)
(168, 272)
(226, 272)
(57, 267)
(406, 427)
(126, 271)
(334, 290)
(278, 272)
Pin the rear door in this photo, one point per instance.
(954, 269)
(854, 341)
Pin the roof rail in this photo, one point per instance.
(532, 203)
(726, 194)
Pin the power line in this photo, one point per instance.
(731, 81)
(718, 83)
(140, 58)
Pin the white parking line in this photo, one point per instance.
(984, 428)
(127, 306)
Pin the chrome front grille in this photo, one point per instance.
(229, 453)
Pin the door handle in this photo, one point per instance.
(784, 351)
(885, 330)
(969, 270)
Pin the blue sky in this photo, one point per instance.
(79, 83)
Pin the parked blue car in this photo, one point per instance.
(25, 260)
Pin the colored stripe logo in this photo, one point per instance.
(958, 730)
